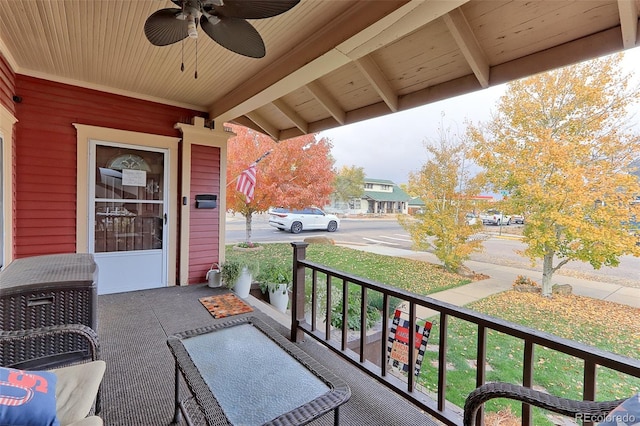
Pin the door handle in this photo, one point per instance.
(165, 218)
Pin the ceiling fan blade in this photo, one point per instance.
(250, 9)
(235, 34)
(162, 28)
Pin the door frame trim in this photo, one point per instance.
(7, 121)
(85, 134)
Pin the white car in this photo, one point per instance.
(305, 219)
(518, 218)
(495, 217)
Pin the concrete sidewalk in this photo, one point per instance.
(502, 277)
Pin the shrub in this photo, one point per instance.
(272, 275)
(247, 244)
(353, 313)
(376, 300)
(522, 280)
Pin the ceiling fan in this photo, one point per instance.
(222, 20)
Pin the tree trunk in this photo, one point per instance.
(547, 273)
(248, 217)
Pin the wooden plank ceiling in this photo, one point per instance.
(328, 62)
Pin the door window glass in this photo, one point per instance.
(129, 211)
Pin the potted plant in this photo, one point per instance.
(275, 279)
(237, 274)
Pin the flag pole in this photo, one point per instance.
(262, 156)
(255, 162)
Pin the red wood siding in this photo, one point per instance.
(7, 85)
(204, 230)
(46, 154)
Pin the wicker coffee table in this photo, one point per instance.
(244, 372)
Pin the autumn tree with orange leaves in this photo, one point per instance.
(296, 173)
(561, 147)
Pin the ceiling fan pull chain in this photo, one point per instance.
(195, 76)
(182, 64)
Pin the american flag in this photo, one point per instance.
(247, 182)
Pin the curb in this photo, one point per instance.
(506, 237)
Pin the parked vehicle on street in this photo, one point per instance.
(308, 218)
(495, 217)
(470, 219)
(517, 218)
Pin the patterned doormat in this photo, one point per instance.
(225, 305)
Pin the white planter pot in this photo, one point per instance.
(243, 284)
(279, 298)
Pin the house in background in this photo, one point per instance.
(380, 197)
(384, 197)
(416, 205)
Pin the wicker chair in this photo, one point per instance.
(567, 407)
(78, 383)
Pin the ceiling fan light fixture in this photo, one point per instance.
(191, 27)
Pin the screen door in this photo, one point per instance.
(129, 217)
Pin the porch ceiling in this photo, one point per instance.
(328, 63)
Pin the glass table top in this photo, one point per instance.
(253, 379)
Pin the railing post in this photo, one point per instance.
(589, 380)
(481, 360)
(442, 360)
(527, 380)
(297, 303)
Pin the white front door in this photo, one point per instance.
(127, 216)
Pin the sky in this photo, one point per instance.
(392, 146)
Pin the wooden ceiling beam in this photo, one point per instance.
(397, 25)
(599, 44)
(327, 101)
(372, 72)
(246, 122)
(266, 127)
(292, 115)
(466, 40)
(305, 63)
(593, 46)
(394, 20)
(628, 10)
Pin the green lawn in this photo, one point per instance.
(415, 276)
(606, 325)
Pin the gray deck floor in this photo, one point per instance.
(138, 385)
